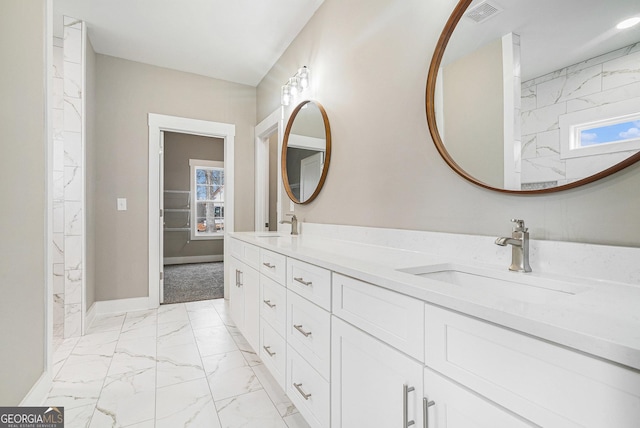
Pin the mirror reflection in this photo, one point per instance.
(539, 94)
(306, 152)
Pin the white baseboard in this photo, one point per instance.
(192, 259)
(89, 317)
(38, 392)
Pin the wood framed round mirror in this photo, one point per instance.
(306, 152)
(529, 96)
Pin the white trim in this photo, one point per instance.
(38, 392)
(90, 315)
(193, 259)
(157, 124)
(271, 124)
(308, 143)
(83, 172)
(121, 305)
(48, 231)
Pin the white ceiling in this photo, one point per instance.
(233, 40)
(554, 34)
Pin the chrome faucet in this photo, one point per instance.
(519, 242)
(293, 223)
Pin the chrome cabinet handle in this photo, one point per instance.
(425, 410)
(405, 406)
(269, 265)
(299, 328)
(302, 281)
(239, 278)
(268, 303)
(304, 394)
(268, 349)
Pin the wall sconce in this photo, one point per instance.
(295, 85)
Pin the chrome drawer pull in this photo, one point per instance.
(299, 328)
(405, 406)
(425, 410)
(302, 281)
(269, 265)
(239, 278)
(268, 349)
(268, 303)
(304, 394)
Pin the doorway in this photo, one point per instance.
(158, 126)
(268, 186)
(193, 217)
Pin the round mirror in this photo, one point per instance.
(536, 96)
(306, 152)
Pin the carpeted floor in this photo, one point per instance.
(191, 282)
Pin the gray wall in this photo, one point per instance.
(178, 149)
(370, 60)
(23, 178)
(90, 174)
(474, 113)
(126, 92)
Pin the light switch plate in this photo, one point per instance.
(122, 204)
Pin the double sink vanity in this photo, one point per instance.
(366, 333)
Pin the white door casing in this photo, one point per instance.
(310, 172)
(159, 123)
(266, 128)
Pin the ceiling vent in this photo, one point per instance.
(482, 12)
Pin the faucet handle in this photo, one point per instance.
(293, 216)
(519, 227)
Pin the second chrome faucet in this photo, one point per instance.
(519, 242)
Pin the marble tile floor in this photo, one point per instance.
(182, 365)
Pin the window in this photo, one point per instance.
(207, 199)
(609, 128)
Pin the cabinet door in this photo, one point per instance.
(368, 380)
(251, 285)
(453, 406)
(236, 292)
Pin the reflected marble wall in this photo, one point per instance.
(608, 78)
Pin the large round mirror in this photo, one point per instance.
(536, 96)
(306, 152)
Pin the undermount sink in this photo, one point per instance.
(508, 284)
(271, 235)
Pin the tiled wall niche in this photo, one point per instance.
(608, 78)
(68, 175)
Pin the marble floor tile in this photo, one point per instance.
(252, 358)
(84, 368)
(178, 364)
(229, 375)
(79, 417)
(252, 410)
(97, 344)
(214, 340)
(172, 313)
(175, 333)
(141, 331)
(126, 399)
(274, 391)
(138, 319)
(205, 318)
(199, 305)
(133, 355)
(187, 404)
(104, 323)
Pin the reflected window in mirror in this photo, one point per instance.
(306, 152)
(505, 95)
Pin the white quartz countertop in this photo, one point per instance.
(602, 318)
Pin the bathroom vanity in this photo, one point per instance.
(381, 328)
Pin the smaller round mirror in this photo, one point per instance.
(306, 152)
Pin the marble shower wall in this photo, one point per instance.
(58, 192)
(73, 176)
(608, 78)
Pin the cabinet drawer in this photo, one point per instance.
(273, 304)
(309, 332)
(308, 391)
(544, 383)
(391, 317)
(309, 281)
(273, 352)
(247, 253)
(273, 265)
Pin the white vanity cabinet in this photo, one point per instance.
(372, 384)
(244, 297)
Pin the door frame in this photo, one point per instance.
(159, 123)
(272, 123)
